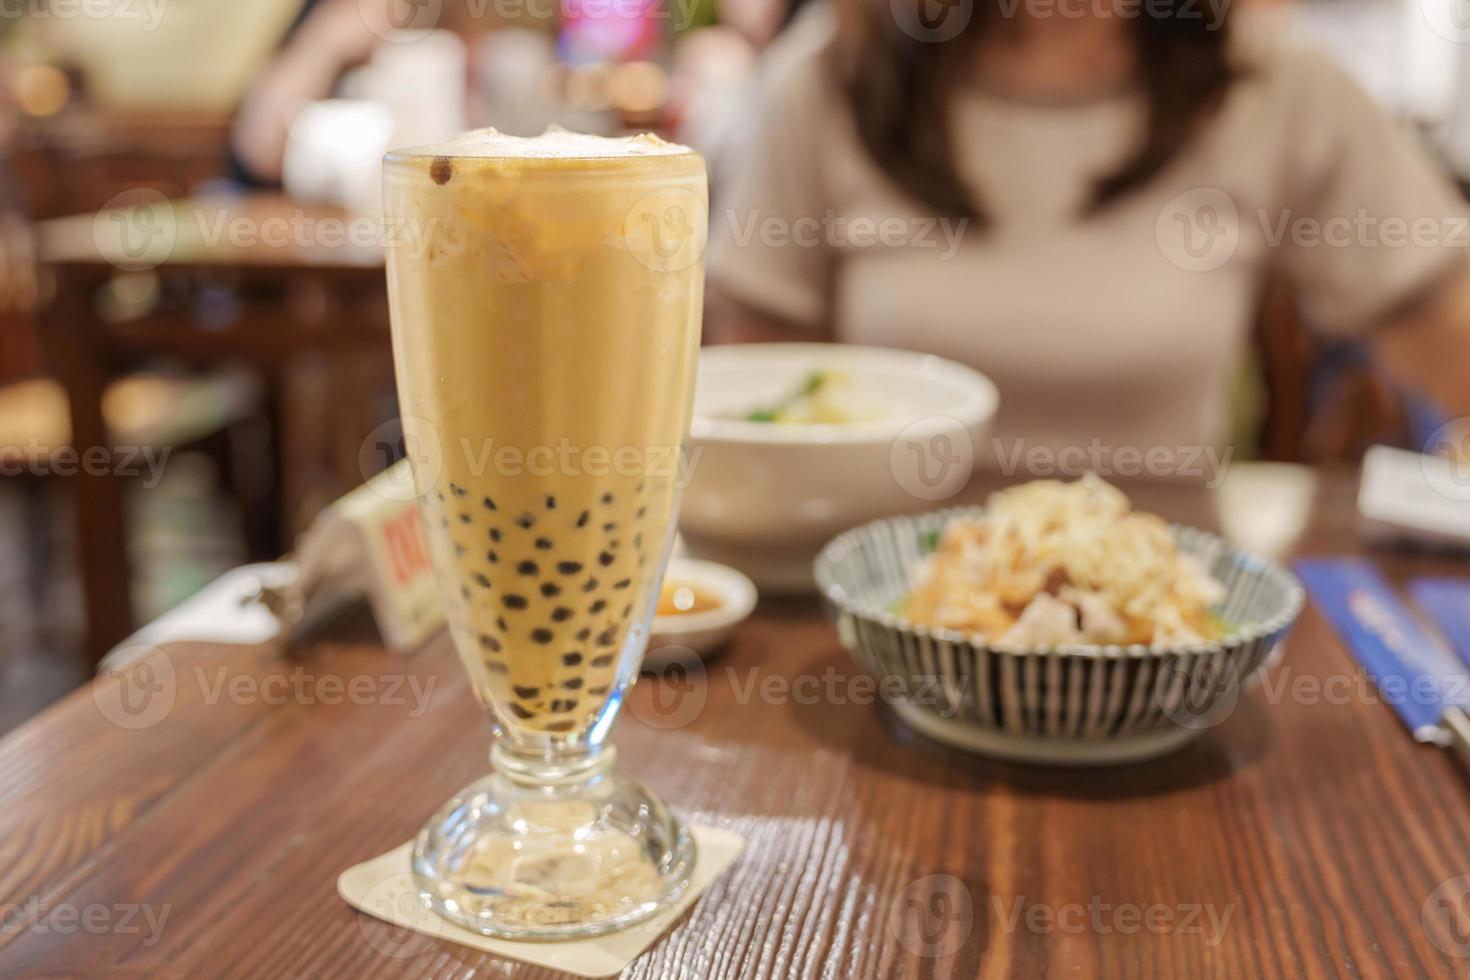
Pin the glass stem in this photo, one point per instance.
(555, 773)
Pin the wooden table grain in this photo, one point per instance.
(190, 820)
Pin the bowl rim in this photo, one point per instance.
(1294, 599)
(979, 405)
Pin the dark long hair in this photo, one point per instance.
(899, 88)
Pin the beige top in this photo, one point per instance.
(1122, 329)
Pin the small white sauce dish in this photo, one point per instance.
(675, 635)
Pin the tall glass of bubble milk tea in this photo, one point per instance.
(546, 297)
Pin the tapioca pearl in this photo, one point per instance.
(606, 558)
(569, 567)
(460, 550)
(550, 502)
(603, 660)
(560, 614)
(495, 534)
(457, 490)
(513, 601)
(490, 643)
(572, 659)
(528, 568)
(641, 512)
(464, 591)
(489, 504)
(607, 638)
(440, 495)
(544, 544)
(496, 667)
(591, 585)
(607, 498)
(597, 606)
(609, 527)
(501, 624)
(601, 689)
(525, 693)
(584, 634)
(464, 518)
(622, 583)
(492, 556)
(523, 714)
(550, 590)
(481, 580)
(572, 684)
(525, 522)
(562, 706)
(614, 544)
(542, 635)
(584, 518)
(561, 726)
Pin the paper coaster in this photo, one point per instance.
(384, 888)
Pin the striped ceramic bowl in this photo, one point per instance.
(1065, 705)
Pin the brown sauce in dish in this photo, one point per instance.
(684, 598)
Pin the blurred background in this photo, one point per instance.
(239, 379)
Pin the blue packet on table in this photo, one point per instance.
(1447, 602)
(1414, 672)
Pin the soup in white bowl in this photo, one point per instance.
(792, 444)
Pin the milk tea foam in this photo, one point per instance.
(546, 310)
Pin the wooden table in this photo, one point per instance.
(1302, 838)
(308, 313)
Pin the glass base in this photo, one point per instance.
(547, 851)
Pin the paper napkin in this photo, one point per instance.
(384, 888)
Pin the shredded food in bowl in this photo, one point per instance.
(1054, 563)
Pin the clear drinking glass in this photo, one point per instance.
(546, 298)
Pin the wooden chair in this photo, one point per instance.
(1325, 404)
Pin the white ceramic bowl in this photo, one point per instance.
(673, 637)
(764, 497)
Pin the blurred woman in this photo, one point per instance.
(1083, 199)
(328, 40)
